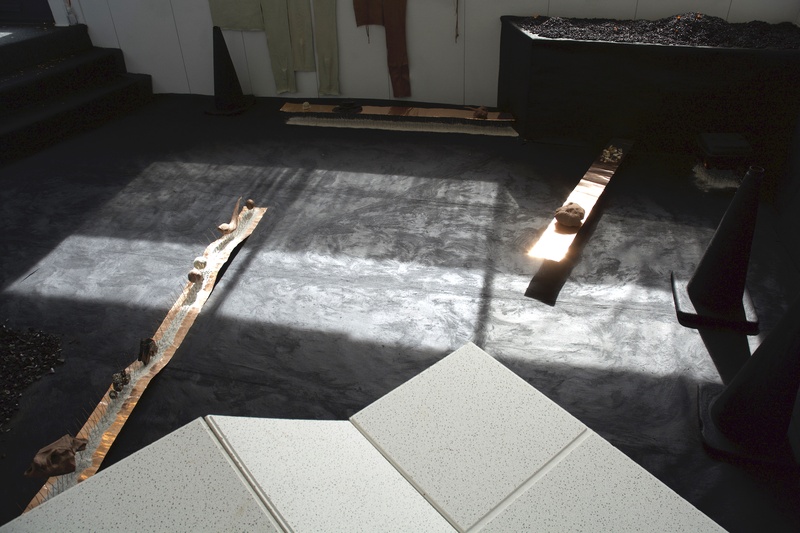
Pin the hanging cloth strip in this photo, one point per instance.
(391, 14)
(300, 33)
(327, 45)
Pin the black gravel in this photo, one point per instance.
(25, 356)
(689, 29)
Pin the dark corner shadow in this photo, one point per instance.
(729, 350)
(548, 281)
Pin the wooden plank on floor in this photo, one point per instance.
(556, 239)
(401, 111)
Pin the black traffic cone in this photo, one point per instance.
(228, 97)
(716, 295)
(751, 417)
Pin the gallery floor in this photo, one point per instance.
(380, 253)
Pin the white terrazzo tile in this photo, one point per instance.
(325, 476)
(597, 488)
(467, 432)
(182, 482)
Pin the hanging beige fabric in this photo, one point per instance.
(279, 43)
(237, 14)
(300, 32)
(326, 40)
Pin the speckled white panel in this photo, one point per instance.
(597, 488)
(467, 432)
(325, 476)
(182, 482)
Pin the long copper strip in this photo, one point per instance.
(401, 111)
(217, 254)
(555, 241)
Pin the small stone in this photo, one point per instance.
(570, 215)
(195, 276)
(52, 370)
(200, 262)
(250, 203)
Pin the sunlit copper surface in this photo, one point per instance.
(556, 239)
(178, 321)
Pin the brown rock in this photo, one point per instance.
(57, 458)
(570, 215)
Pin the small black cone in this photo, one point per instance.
(228, 97)
(716, 294)
(751, 417)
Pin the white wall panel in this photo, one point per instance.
(149, 41)
(363, 71)
(435, 58)
(262, 82)
(656, 9)
(307, 86)
(772, 11)
(482, 42)
(59, 10)
(234, 40)
(97, 16)
(611, 9)
(193, 21)
(172, 41)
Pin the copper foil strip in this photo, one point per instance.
(424, 112)
(556, 240)
(180, 317)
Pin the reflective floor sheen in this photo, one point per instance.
(381, 253)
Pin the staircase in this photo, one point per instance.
(54, 83)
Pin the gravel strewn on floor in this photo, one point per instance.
(692, 29)
(25, 356)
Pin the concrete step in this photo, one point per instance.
(23, 47)
(56, 77)
(39, 125)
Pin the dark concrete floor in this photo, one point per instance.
(381, 253)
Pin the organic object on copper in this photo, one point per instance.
(56, 458)
(229, 227)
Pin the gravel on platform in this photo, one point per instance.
(689, 29)
(25, 356)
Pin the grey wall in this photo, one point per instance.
(171, 40)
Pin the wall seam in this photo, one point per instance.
(114, 25)
(464, 47)
(180, 46)
(246, 62)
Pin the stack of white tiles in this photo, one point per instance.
(464, 446)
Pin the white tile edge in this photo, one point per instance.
(270, 507)
(523, 488)
(407, 477)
